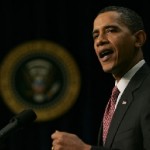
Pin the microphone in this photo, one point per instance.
(21, 120)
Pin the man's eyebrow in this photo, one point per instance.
(94, 31)
(110, 26)
(106, 27)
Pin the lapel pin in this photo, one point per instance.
(124, 102)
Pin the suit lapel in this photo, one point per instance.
(121, 109)
(124, 104)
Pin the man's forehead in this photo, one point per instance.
(111, 16)
(107, 19)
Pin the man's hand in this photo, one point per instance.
(67, 141)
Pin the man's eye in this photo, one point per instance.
(110, 30)
(95, 36)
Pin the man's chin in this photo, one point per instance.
(107, 70)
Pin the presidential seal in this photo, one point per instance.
(41, 75)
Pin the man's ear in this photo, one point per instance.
(140, 38)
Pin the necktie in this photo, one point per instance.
(109, 111)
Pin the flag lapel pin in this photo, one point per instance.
(124, 102)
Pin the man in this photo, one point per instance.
(119, 35)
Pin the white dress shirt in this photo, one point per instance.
(122, 84)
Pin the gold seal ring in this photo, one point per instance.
(52, 148)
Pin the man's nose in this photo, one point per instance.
(101, 40)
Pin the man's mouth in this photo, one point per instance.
(105, 53)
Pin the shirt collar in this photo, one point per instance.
(127, 77)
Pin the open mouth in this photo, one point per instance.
(105, 53)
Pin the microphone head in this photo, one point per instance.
(25, 117)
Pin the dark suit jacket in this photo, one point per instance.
(130, 126)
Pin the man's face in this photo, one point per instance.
(114, 43)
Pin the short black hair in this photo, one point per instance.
(128, 16)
